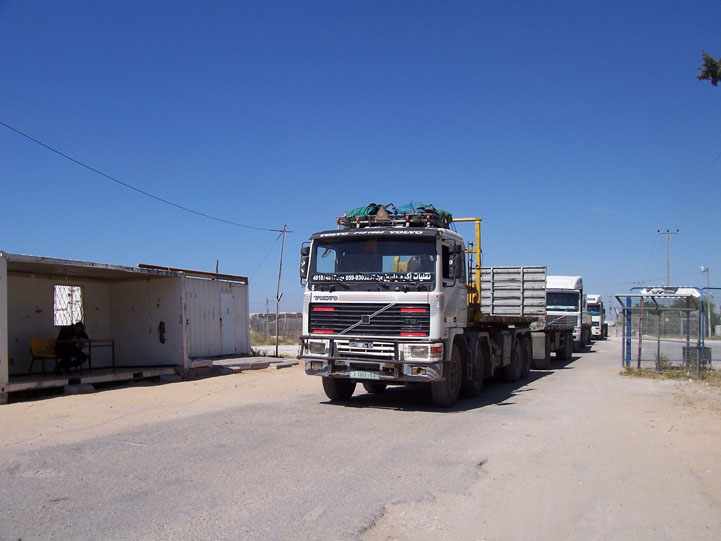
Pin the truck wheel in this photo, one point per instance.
(373, 387)
(337, 389)
(445, 392)
(526, 356)
(472, 387)
(564, 353)
(512, 371)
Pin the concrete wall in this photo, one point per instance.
(137, 309)
(210, 331)
(30, 315)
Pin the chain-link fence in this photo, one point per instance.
(665, 329)
(289, 324)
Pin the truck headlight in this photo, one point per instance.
(423, 352)
(316, 347)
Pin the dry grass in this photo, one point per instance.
(712, 377)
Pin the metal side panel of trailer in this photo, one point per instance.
(513, 291)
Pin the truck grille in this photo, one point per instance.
(396, 320)
(372, 350)
(560, 319)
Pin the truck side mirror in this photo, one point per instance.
(304, 260)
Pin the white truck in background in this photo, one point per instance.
(566, 304)
(599, 327)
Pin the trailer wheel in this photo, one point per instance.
(512, 371)
(373, 387)
(445, 392)
(526, 356)
(337, 389)
(472, 387)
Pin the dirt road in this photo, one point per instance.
(576, 452)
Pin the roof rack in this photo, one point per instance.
(383, 218)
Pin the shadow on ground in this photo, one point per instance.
(418, 397)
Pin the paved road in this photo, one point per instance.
(575, 452)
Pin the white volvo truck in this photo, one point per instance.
(398, 300)
(566, 304)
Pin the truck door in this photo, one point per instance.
(454, 286)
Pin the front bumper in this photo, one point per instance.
(392, 371)
(382, 359)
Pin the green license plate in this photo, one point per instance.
(364, 374)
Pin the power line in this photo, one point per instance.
(134, 188)
(159, 157)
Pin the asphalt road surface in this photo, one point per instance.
(576, 452)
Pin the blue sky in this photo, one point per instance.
(575, 129)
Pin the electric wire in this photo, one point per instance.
(686, 212)
(266, 255)
(160, 157)
(135, 188)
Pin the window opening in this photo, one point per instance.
(67, 305)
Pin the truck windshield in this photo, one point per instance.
(594, 309)
(562, 301)
(380, 261)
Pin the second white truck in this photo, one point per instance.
(566, 304)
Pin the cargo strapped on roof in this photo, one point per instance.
(414, 214)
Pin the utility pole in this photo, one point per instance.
(668, 250)
(709, 330)
(278, 294)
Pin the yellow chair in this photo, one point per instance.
(40, 350)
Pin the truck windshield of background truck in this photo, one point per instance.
(358, 263)
(594, 309)
(562, 301)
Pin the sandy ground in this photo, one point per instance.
(72, 419)
(582, 453)
(642, 460)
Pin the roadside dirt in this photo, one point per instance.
(70, 419)
(582, 453)
(612, 458)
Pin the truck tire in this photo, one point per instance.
(445, 392)
(566, 350)
(338, 389)
(374, 387)
(526, 356)
(544, 363)
(472, 387)
(512, 371)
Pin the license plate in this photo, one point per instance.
(361, 345)
(364, 374)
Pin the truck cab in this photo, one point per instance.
(566, 303)
(599, 327)
(381, 303)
